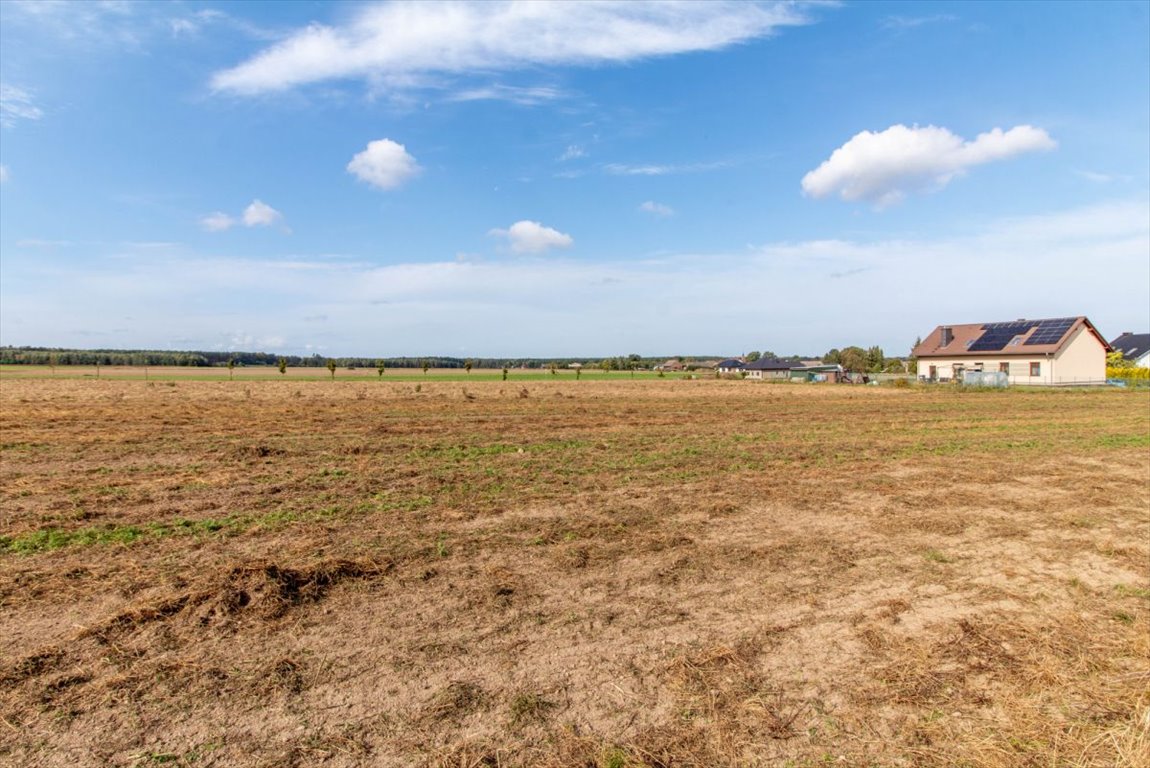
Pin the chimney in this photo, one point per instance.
(947, 336)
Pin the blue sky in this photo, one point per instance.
(539, 179)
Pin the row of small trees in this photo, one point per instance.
(380, 367)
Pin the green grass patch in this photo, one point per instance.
(50, 539)
(1128, 591)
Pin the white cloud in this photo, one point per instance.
(563, 306)
(1101, 178)
(105, 23)
(901, 23)
(260, 214)
(623, 169)
(257, 214)
(384, 164)
(122, 26)
(16, 104)
(217, 222)
(573, 152)
(195, 23)
(619, 169)
(657, 209)
(528, 96)
(36, 242)
(454, 38)
(533, 237)
(883, 167)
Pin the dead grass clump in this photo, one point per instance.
(455, 702)
(32, 665)
(529, 707)
(723, 700)
(472, 754)
(270, 590)
(284, 674)
(256, 451)
(954, 670)
(264, 589)
(943, 523)
(573, 557)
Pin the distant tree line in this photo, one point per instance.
(854, 359)
(138, 357)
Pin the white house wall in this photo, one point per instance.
(1018, 373)
(1081, 360)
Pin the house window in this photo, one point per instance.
(1036, 369)
(1004, 367)
(933, 372)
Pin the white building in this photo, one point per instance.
(1058, 351)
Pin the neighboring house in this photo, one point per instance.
(1135, 347)
(769, 368)
(1064, 350)
(730, 365)
(818, 372)
(670, 365)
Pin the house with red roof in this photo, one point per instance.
(1061, 351)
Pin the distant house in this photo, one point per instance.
(1135, 347)
(819, 371)
(730, 365)
(671, 365)
(1057, 351)
(769, 368)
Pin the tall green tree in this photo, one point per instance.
(854, 359)
(875, 359)
(753, 355)
(467, 366)
(424, 365)
(331, 368)
(380, 368)
(282, 364)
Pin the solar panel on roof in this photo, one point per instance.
(1050, 331)
(996, 336)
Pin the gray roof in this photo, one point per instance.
(771, 364)
(1132, 345)
(730, 363)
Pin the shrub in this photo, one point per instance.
(1128, 374)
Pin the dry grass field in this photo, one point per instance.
(608, 574)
